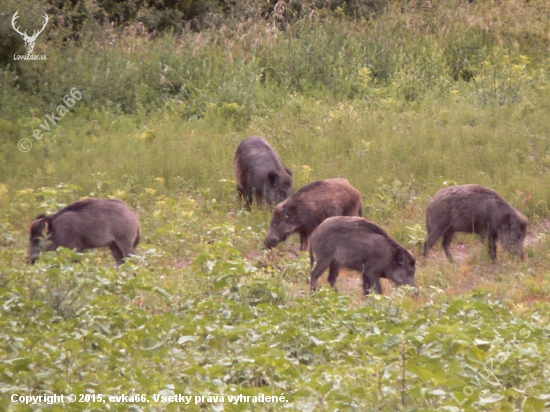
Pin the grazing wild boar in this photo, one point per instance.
(355, 243)
(309, 206)
(259, 172)
(88, 224)
(474, 209)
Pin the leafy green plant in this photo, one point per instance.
(385, 100)
(501, 80)
(416, 235)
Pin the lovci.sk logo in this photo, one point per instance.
(29, 40)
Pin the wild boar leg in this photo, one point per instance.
(433, 236)
(446, 243)
(246, 198)
(260, 196)
(333, 275)
(126, 249)
(320, 267)
(116, 252)
(492, 244)
(371, 279)
(303, 240)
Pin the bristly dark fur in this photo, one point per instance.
(83, 204)
(308, 207)
(309, 187)
(355, 243)
(88, 224)
(473, 209)
(260, 174)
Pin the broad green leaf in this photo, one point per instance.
(496, 397)
(184, 339)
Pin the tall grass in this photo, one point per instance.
(256, 63)
(395, 157)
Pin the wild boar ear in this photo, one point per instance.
(272, 176)
(517, 224)
(401, 257)
(289, 212)
(37, 226)
(511, 222)
(405, 257)
(48, 221)
(412, 258)
(288, 171)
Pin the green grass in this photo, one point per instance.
(387, 103)
(210, 312)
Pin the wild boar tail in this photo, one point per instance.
(138, 237)
(310, 250)
(360, 209)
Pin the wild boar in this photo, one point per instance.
(259, 171)
(355, 243)
(474, 209)
(308, 207)
(88, 224)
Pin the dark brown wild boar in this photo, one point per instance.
(259, 172)
(355, 243)
(308, 207)
(88, 224)
(474, 209)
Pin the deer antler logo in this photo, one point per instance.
(29, 40)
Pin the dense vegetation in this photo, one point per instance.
(402, 98)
